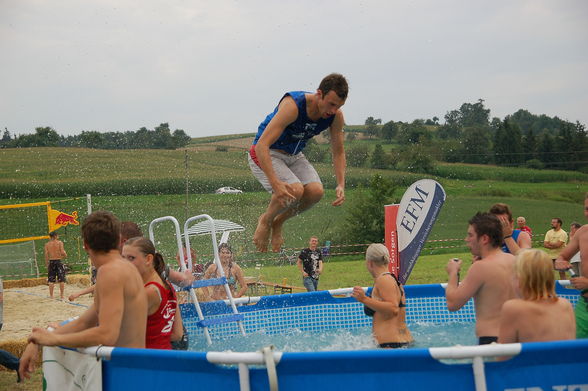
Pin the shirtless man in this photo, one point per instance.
(54, 253)
(514, 240)
(579, 242)
(276, 160)
(489, 279)
(118, 316)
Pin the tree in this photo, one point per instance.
(313, 152)
(6, 139)
(378, 159)
(389, 131)
(546, 149)
(180, 138)
(530, 145)
(357, 155)
(414, 133)
(474, 114)
(91, 139)
(564, 146)
(364, 222)
(416, 158)
(372, 126)
(476, 145)
(508, 147)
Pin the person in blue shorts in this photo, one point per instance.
(277, 161)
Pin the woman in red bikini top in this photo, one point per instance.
(164, 322)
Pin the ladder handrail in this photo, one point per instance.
(219, 268)
(182, 263)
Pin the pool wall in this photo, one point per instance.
(560, 366)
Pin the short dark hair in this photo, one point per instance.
(558, 220)
(52, 234)
(334, 82)
(576, 225)
(129, 229)
(101, 231)
(501, 209)
(488, 224)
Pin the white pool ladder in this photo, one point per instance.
(222, 280)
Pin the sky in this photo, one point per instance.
(220, 66)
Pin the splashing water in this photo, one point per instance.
(294, 340)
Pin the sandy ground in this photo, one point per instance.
(25, 308)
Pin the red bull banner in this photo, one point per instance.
(391, 238)
(59, 219)
(414, 219)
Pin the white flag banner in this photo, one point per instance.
(65, 370)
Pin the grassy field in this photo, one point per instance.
(322, 220)
(140, 185)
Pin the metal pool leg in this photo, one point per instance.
(479, 373)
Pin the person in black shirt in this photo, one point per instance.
(310, 264)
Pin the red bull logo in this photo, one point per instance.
(65, 219)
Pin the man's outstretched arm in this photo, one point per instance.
(339, 161)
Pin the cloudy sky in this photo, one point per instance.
(219, 66)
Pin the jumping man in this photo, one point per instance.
(277, 161)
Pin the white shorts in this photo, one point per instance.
(288, 168)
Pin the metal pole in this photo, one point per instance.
(187, 189)
(89, 202)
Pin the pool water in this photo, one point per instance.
(426, 335)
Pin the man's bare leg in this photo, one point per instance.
(313, 192)
(51, 290)
(264, 223)
(61, 287)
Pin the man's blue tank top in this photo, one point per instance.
(515, 236)
(294, 138)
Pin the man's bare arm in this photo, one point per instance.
(458, 295)
(110, 313)
(563, 260)
(339, 161)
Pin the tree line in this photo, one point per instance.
(159, 138)
(469, 135)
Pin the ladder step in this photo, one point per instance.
(203, 283)
(220, 320)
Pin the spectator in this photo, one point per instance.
(522, 224)
(232, 272)
(310, 264)
(54, 253)
(556, 238)
(513, 239)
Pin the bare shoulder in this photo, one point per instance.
(513, 307)
(287, 106)
(338, 121)
(115, 271)
(582, 232)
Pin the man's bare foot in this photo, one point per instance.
(277, 240)
(261, 235)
